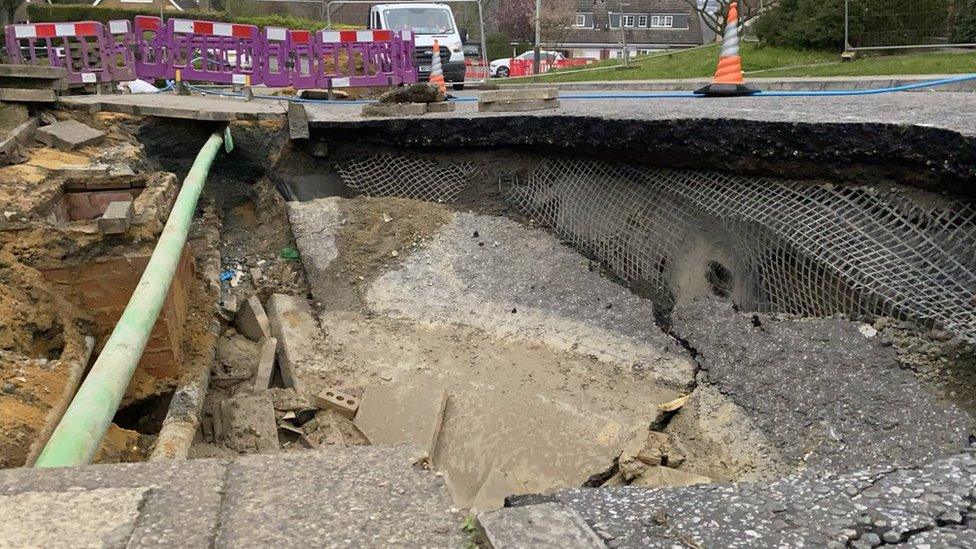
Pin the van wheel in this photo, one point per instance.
(457, 87)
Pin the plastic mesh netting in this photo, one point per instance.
(407, 177)
(773, 245)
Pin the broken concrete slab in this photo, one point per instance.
(69, 135)
(402, 414)
(297, 121)
(546, 525)
(442, 106)
(25, 95)
(251, 319)
(248, 424)
(295, 328)
(116, 219)
(659, 476)
(81, 170)
(266, 362)
(490, 96)
(518, 106)
(103, 517)
(394, 109)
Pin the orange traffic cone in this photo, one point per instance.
(436, 70)
(728, 79)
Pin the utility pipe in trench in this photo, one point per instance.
(79, 434)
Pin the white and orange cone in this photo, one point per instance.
(436, 70)
(728, 79)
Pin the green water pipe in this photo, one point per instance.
(79, 433)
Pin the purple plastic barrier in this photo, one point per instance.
(275, 61)
(221, 53)
(121, 47)
(207, 51)
(152, 53)
(357, 58)
(288, 58)
(404, 58)
(78, 47)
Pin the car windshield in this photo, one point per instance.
(420, 20)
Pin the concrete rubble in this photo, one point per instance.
(402, 414)
(69, 135)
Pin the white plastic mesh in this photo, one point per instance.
(797, 247)
(407, 177)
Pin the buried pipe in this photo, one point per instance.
(79, 433)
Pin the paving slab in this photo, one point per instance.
(252, 320)
(103, 517)
(69, 135)
(266, 362)
(368, 496)
(248, 423)
(293, 325)
(547, 525)
(181, 509)
(402, 414)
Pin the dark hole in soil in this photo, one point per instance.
(144, 416)
(719, 279)
(48, 343)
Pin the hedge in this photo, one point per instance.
(84, 12)
(965, 31)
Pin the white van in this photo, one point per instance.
(428, 22)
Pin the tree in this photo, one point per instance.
(7, 10)
(713, 12)
(517, 19)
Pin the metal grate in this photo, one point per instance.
(796, 247)
(407, 177)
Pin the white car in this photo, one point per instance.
(500, 68)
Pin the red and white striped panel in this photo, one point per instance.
(147, 23)
(119, 26)
(334, 37)
(50, 30)
(212, 28)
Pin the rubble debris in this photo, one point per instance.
(69, 135)
(341, 403)
(266, 362)
(394, 109)
(328, 428)
(650, 449)
(247, 424)
(658, 476)
(546, 525)
(237, 357)
(229, 306)
(402, 414)
(116, 219)
(421, 92)
(81, 170)
(252, 321)
(518, 100)
(444, 106)
(294, 326)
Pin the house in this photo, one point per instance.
(153, 5)
(647, 26)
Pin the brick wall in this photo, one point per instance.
(103, 288)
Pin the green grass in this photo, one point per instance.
(771, 62)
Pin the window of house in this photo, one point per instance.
(628, 20)
(642, 21)
(580, 20)
(662, 21)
